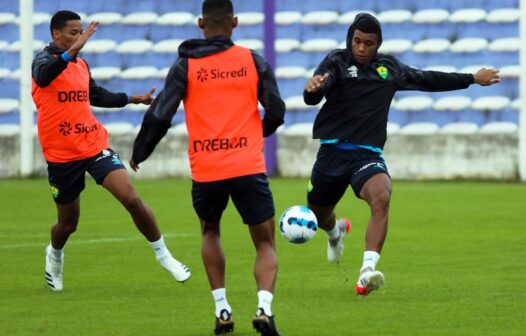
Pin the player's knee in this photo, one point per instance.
(133, 203)
(69, 225)
(380, 201)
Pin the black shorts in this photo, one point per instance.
(67, 179)
(335, 169)
(251, 195)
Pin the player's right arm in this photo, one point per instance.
(158, 119)
(47, 67)
(323, 78)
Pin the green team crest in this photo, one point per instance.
(54, 191)
(382, 71)
(310, 186)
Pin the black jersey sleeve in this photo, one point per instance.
(46, 67)
(434, 81)
(158, 119)
(269, 96)
(329, 65)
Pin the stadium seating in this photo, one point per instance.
(443, 35)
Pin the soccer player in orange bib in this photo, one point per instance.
(220, 84)
(74, 142)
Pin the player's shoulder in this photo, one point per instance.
(385, 58)
(337, 55)
(43, 54)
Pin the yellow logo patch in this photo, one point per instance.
(382, 71)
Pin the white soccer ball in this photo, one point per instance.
(298, 224)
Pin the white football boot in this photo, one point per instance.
(179, 271)
(53, 271)
(335, 246)
(369, 281)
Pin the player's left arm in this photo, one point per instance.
(415, 79)
(269, 96)
(158, 119)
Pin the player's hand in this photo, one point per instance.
(145, 99)
(133, 165)
(316, 83)
(83, 38)
(485, 77)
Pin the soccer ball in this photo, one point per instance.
(298, 224)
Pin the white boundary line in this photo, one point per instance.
(95, 241)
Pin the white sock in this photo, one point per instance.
(159, 248)
(370, 259)
(264, 301)
(220, 300)
(334, 233)
(56, 254)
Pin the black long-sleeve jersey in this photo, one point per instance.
(48, 65)
(358, 96)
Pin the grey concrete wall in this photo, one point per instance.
(411, 157)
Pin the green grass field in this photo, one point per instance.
(454, 261)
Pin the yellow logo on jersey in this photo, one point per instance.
(310, 186)
(382, 71)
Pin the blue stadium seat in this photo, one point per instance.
(120, 6)
(248, 32)
(247, 6)
(494, 4)
(141, 6)
(10, 88)
(296, 58)
(10, 118)
(444, 30)
(405, 30)
(347, 6)
(135, 118)
(109, 32)
(9, 6)
(453, 5)
(134, 32)
(292, 31)
(397, 116)
(429, 4)
(41, 32)
(306, 6)
(428, 115)
(176, 32)
(507, 114)
(110, 58)
(10, 59)
(9, 32)
(294, 117)
(333, 30)
(166, 6)
(291, 87)
(474, 116)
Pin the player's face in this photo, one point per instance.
(364, 46)
(66, 37)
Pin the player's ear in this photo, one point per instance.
(234, 22)
(201, 23)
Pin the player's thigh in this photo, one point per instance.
(377, 188)
(369, 169)
(66, 180)
(103, 164)
(210, 200)
(253, 199)
(329, 178)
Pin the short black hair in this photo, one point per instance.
(60, 19)
(218, 11)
